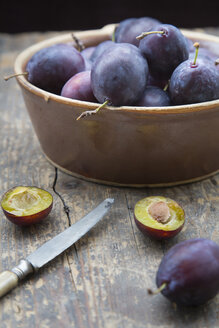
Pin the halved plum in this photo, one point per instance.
(159, 217)
(25, 205)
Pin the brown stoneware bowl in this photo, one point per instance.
(124, 146)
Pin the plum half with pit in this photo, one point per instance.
(189, 272)
(26, 205)
(51, 67)
(159, 217)
(119, 76)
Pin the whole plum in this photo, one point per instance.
(87, 52)
(157, 82)
(130, 28)
(154, 97)
(194, 83)
(79, 87)
(51, 67)
(189, 272)
(164, 49)
(122, 27)
(100, 48)
(119, 75)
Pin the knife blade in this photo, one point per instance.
(52, 248)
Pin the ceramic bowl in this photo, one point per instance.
(124, 146)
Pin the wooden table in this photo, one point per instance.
(101, 281)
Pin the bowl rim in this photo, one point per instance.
(103, 33)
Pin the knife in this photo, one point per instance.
(52, 248)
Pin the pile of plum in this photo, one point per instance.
(146, 64)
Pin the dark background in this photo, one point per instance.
(22, 16)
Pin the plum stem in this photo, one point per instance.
(79, 44)
(217, 61)
(196, 45)
(144, 34)
(6, 78)
(92, 112)
(166, 86)
(158, 290)
(114, 33)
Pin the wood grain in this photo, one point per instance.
(101, 281)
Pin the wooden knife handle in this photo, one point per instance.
(8, 281)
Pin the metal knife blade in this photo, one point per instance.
(68, 237)
(53, 247)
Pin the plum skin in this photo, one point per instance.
(119, 75)
(51, 67)
(28, 219)
(157, 234)
(197, 83)
(166, 51)
(87, 52)
(79, 87)
(154, 97)
(100, 48)
(191, 271)
(130, 28)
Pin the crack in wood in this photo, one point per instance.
(130, 218)
(66, 208)
(67, 212)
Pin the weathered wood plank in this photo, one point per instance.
(102, 280)
(22, 162)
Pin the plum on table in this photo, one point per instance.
(25, 205)
(159, 217)
(189, 272)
